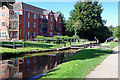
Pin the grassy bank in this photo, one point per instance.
(79, 65)
(29, 46)
(110, 44)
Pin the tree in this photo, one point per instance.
(116, 32)
(77, 25)
(89, 14)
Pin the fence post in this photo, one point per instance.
(13, 44)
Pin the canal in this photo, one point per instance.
(35, 66)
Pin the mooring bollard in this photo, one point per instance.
(90, 45)
(23, 44)
(64, 43)
(70, 43)
(13, 44)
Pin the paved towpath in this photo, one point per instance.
(108, 68)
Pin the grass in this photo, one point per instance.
(29, 46)
(79, 65)
(112, 44)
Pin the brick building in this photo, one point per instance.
(24, 21)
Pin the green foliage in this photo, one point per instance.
(116, 32)
(90, 21)
(40, 37)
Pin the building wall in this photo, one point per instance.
(4, 19)
(23, 28)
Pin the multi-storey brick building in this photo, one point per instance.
(23, 21)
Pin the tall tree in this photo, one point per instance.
(89, 13)
(116, 32)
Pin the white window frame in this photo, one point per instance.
(34, 16)
(2, 34)
(50, 26)
(28, 24)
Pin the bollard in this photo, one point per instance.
(23, 44)
(90, 45)
(70, 43)
(13, 44)
(64, 43)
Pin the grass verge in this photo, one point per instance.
(79, 65)
(110, 44)
(29, 46)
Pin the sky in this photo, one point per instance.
(110, 12)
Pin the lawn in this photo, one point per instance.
(29, 46)
(110, 44)
(79, 65)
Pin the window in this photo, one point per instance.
(59, 20)
(16, 15)
(3, 71)
(34, 34)
(41, 16)
(34, 60)
(50, 13)
(34, 68)
(34, 16)
(3, 14)
(50, 18)
(34, 25)
(28, 61)
(3, 23)
(28, 34)
(3, 61)
(51, 34)
(28, 24)
(50, 26)
(59, 27)
(58, 34)
(2, 34)
(28, 15)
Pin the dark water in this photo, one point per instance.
(33, 67)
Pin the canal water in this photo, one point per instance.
(35, 66)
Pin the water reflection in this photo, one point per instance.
(31, 66)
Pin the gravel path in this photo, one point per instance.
(108, 68)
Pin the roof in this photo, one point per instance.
(46, 12)
(24, 6)
(56, 15)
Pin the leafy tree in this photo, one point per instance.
(116, 32)
(89, 15)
